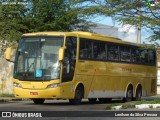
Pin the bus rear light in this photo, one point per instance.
(17, 85)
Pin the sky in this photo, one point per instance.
(125, 32)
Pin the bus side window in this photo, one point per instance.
(135, 55)
(151, 57)
(125, 53)
(144, 57)
(89, 49)
(85, 49)
(113, 52)
(99, 51)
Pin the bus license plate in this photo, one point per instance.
(33, 93)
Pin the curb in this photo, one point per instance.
(141, 106)
(3, 100)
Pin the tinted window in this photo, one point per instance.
(151, 57)
(144, 57)
(69, 59)
(113, 52)
(125, 53)
(99, 51)
(85, 49)
(135, 55)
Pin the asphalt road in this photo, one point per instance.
(53, 105)
(61, 108)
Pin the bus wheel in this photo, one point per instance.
(78, 96)
(138, 93)
(38, 101)
(129, 95)
(92, 100)
(104, 100)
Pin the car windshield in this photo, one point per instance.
(36, 58)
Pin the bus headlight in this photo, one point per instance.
(53, 85)
(17, 85)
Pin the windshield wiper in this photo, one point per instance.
(32, 64)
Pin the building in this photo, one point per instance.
(105, 30)
(158, 66)
(158, 71)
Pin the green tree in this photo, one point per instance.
(9, 21)
(18, 17)
(135, 12)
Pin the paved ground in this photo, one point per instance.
(6, 99)
(62, 108)
(16, 104)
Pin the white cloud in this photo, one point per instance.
(128, 33)
(127, 28)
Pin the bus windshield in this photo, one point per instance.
(37, 58)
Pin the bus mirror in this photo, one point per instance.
(8, 54)
(61, 53)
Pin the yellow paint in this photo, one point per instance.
(8, 53)
(94, 75)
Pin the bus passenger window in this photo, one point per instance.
(99, 51)
(151, 57)
(144, 57)
(85, 49)
(113, 52)
(125, 53)
(135, 55)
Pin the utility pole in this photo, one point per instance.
(139, 34)
(139, 23)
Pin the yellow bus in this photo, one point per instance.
(82, 65)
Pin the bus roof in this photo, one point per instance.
(88, 35)
(44, 34)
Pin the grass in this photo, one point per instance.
(130, 105)
(109, 107)
(151, 106)
(126, 106)
(156, 101)
(6, 95)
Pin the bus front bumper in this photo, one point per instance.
(37, 93)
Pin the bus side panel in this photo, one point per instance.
(111, 79)
(67, 90)
(151, 82)
(85, 73)
(107, 81)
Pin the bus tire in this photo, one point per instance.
(79, 92)
(38, 101)
(138, 93)
(92, 100)
(129, 94)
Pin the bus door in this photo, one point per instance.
(68, 67)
